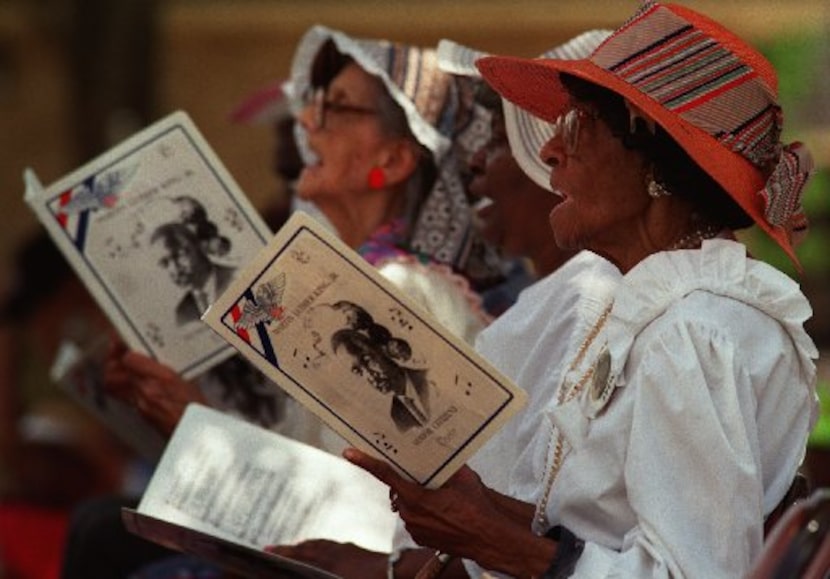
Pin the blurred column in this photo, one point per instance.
(112, 52)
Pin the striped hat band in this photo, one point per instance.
(690, 73)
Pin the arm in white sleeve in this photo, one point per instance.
(691, 468)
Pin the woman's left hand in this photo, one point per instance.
(460, 518)
(155, 390)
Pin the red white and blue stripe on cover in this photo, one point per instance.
(258, 339)
(74, 223)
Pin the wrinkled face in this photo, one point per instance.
(601, 184)
(347, 143)
(513, 214)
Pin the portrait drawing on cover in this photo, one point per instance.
(381, 360)
(188, 248)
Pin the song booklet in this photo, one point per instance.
(374, 365)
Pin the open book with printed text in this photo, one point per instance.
(224, 489)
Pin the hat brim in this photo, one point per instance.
(366, 54)
(526, 132)
(535, 85)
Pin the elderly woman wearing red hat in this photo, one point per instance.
(682, 415)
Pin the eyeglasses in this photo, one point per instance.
(316, 99)
(567, 126)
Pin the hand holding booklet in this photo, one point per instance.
(324, 325)
(224, 489)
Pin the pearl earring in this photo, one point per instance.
(655, 188)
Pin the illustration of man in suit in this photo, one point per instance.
(184, 256)
(374, 360)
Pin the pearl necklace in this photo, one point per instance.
(695, 238)
(556, 443)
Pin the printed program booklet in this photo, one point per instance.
(225, 488)
(324, 325)
(156, 228)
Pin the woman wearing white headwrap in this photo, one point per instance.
(511, 175)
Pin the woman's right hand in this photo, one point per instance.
(154, 389)
(465, 518)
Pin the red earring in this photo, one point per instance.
(377, 178)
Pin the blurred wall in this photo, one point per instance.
(205, 56)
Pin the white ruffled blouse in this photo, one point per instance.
(680, 420)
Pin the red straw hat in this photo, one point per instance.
(711, 91)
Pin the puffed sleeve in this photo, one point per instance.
(691, 467)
